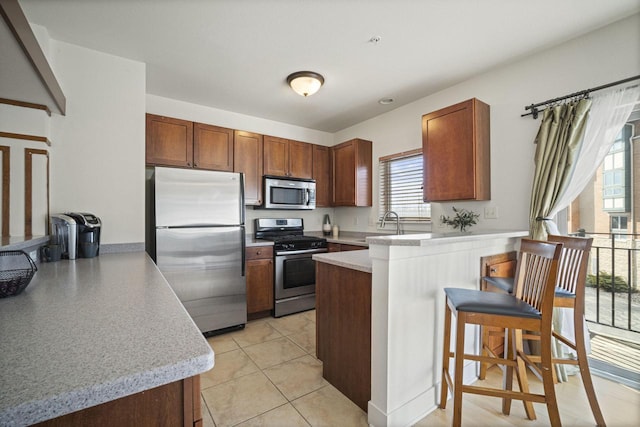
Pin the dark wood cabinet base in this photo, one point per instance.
(174, 404)
(343, 330)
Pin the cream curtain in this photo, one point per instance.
(609, 112)
(563, 171)
(558, 144)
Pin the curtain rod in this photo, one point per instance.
(534, 107)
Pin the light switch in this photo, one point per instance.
(491, 212)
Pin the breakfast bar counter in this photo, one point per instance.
(409, 273)
(91, 331)
(385, 306)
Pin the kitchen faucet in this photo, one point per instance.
(384, 218)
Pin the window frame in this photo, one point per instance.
(384, 203)
(616, 173)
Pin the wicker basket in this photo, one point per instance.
(16, 271)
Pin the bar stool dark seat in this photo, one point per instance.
(569, 293)
(528, 308)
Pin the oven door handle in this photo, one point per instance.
(304, 251)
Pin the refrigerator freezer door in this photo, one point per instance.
(187, 197)
(204, 266)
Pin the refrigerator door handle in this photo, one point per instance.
(243, 240)
(242, 208)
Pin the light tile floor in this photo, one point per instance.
(267, 375)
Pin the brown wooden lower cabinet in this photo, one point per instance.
(500, 265)
(343, 247)
(174, 404)
(343, 330)
(259, 275)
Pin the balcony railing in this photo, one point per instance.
(612, 295)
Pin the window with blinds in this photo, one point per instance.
(400, 185)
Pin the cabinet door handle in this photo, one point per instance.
(493, 270)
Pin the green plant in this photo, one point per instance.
(619, 284)
(462, 219)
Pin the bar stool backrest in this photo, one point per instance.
(574, 260)
(537, 271)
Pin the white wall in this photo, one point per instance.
(33, 122)
(609, 54)
(606, 55)
(97, 158)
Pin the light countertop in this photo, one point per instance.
(427, 239)
(354, 260)
(355, 238)
(89, 331)
(17, 243)
(252, 242)
(366, 239)
(347, 237)
(360, 260)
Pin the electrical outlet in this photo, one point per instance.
(491, 212)
(355, 220)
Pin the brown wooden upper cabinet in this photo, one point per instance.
(212, 147)
(285, 157)
(247, 155)
(351, 171)
(322, 175)
(169, 141)
(175, 142)
(455, 146)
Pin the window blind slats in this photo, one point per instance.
(400, 188)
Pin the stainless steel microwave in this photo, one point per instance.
(289, 193)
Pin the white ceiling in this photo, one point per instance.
(236, 54)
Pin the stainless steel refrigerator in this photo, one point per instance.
(200, 242)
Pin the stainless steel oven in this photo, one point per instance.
(295, 281)
(295, 271)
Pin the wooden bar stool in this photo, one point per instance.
(529, 308)
(569, 293)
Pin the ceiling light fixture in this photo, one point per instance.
(305, 83)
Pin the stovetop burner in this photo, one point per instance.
(286, 234)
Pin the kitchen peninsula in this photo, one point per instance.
(102, 337)
(408, 274)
